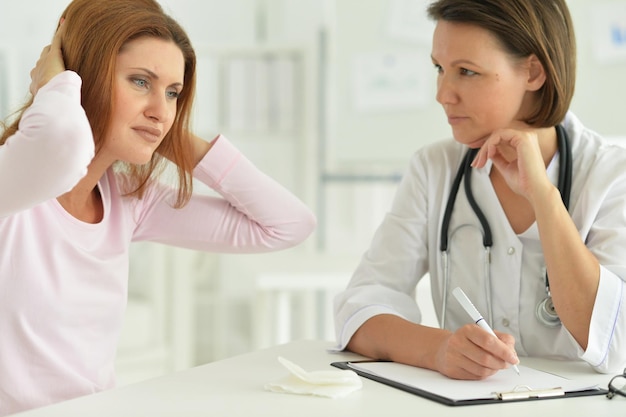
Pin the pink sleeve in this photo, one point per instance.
(255, 213)
(50, 152)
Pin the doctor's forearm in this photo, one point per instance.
(389, 337)
(573, 271)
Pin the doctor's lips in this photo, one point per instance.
(452, 119)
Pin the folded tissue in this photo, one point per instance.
(332, 384)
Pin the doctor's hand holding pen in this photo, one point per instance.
(473, 353)
(469, 353)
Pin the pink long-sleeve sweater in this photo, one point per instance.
(63, 282)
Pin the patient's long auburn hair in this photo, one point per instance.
(95, 32)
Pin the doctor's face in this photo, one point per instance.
(480, 87)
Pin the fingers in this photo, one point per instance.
(57, 40)
(472, 353)
(507, 339)
(505, 144)
(501, 348)
(44, 51)
(58, 36)
(50, 62)
(487, 351)
(495, 145)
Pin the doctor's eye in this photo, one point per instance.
(465, 71)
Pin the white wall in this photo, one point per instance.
(28, 25)
(360, 137)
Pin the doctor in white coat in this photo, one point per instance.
(525, 210)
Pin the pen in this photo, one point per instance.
(474, 314)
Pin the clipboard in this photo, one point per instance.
(516, 393)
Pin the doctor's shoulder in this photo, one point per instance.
(432, 167)
(444, 154)
(599, 171)
(597, 152)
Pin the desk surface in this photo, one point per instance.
(234, 387)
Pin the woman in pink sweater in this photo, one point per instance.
(79, 182)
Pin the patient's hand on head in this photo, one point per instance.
(50, 63)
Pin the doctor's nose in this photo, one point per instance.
(446, 93)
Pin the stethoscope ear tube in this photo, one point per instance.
(487, 238)
(565, 165)
(445, 224)
(546, 312)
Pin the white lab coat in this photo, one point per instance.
(406, 247)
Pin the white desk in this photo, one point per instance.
(234, 387)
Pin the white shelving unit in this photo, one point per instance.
(264, 98)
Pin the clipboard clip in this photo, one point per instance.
(524, 392)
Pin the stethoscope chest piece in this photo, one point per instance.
(546, 313)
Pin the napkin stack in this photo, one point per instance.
(327, 383)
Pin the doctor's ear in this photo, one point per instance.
(536, 73)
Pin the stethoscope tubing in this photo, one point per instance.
(464, 174)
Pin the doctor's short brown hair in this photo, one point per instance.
(523, 28)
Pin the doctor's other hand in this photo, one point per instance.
(516, 154)
(472, 353)
(50, 63)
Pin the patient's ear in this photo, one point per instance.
(536, 73)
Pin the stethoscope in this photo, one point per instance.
(545, 311)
